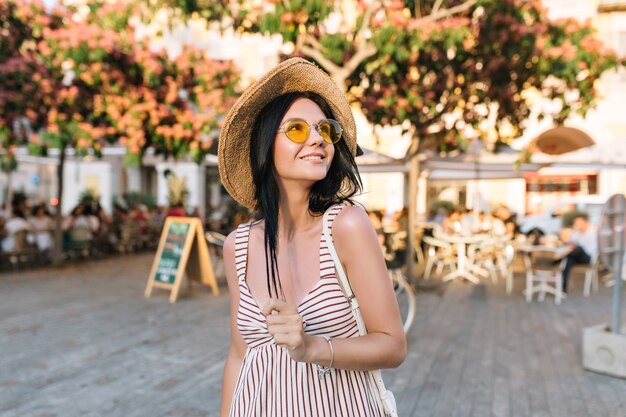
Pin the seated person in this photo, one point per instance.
(42, 225)
(80, 225)
(583, 242)
(15, 225)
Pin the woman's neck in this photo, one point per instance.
(293, 215)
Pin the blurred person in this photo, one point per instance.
(498, 228)
(452, 223)
(42, 225)
(376, 218)
(437, 217)
(484, 222)
(138, 214)
(583, 243)
(509, 219)
(120, 214)
(102, 215)
(400, 219)
(13, 226)
(196, 213)
(287, 149)
(80, 225)
(240, 216)
(157, 217)
(3, 230)
(468, 220)
(103, 237)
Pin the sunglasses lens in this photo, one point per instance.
(330, 131)
(297, 131)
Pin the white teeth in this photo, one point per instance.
(311, 157)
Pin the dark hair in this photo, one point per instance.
(340, 184)
(581, 215)
(18, 212)
(38, 207)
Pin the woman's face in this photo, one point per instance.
(309, 160)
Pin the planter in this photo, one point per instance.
(603, 351)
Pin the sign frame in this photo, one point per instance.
(194, 261)
(611, 247)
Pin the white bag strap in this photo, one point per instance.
(375, 376)
(341, 274)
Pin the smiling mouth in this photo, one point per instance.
(312, 158)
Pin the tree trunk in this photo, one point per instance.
(411, 254)
(9, 202)
(57, 253)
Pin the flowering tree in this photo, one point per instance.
(176, 107)
(20, 30)
(100, 86)
(478, 74)
(454, 71)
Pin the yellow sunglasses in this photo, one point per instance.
(297, 130)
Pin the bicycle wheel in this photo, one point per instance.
(405, 294)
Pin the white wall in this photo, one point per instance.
(511, 192)
(578, 9)
(611, 181)
(78, 176)
(22, 180)
(383, 191)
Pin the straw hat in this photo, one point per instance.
(292, 75)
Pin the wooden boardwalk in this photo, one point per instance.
(83, 341)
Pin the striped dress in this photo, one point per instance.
(272, 384)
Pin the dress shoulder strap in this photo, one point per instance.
(241, 249)
(329, 218)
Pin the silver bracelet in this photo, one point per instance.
(325, 370)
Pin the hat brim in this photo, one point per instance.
(292, 75)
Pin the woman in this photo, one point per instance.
(80, 225)
(42, 226)
(16, 232)
(287, 150)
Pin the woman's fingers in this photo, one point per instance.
(294, 319)
(290, 341)
(284, 323)
(284, 329)
(278, 306)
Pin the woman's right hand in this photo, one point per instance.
(285, 324)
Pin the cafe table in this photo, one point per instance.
(466, 269)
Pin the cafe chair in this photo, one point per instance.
(505, 259)
(215, 245)
(543, 275)
(608, 278)
(591, 272)
(440, 254)
(484, 255)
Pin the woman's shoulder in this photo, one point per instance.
(229, 243)
(254, 228)
(352, 219)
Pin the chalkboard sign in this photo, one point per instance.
(182, 251)
(175, 237)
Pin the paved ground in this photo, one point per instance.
(82, 341)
